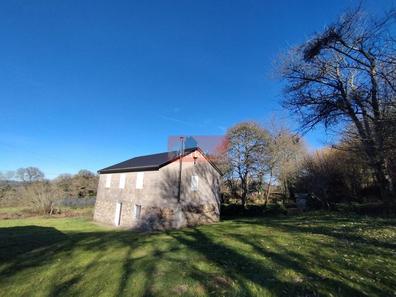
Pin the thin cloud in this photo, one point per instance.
(183, 122)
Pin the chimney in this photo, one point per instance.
(180, 167)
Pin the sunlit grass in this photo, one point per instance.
(315, 255)
(11, 210)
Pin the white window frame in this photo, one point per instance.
(137, 211)
(139, 180)
(108, 180)
(122, 181)
(194, 183)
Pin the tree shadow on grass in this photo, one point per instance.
(33, 247)
(243, 269)
(346, 233)
(23, 239)
(57, 251)
(240, 274)
(303, 264)
(64, 288)
(340, 238)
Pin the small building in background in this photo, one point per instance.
(301, 200)
(154, 192)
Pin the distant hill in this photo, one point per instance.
(10, 182)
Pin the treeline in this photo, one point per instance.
(343, 78)
(28, 187)
(343, 173)
(273, 164)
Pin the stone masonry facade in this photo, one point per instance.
(155, 205)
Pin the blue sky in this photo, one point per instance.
(84, 84)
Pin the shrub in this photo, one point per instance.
(40, 196)
(371, 209)
(231, 210)
(276, 209)
(236, 210)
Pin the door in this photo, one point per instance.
(117, 218)
(138, 209)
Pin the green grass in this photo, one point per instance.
(12, 209)
(64, 211)
(315, 255)
(13, 212)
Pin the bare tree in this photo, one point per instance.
(347, 73)
(246, 148)
(29, 174)
(285, 151)
(40, 196)
(28, 186)
(335, 175)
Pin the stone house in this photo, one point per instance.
(159, 191)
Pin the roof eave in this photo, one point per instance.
(129, 169)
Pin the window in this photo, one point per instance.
(194, 183)
(117, 217)
(138, 209)
(122, 181)
(108, 180)
(139, 180)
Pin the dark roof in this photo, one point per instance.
(149, 162)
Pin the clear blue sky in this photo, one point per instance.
(84, 84)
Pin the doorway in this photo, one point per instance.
(117, 217)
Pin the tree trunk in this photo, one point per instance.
(268, 190)
(51, 208)
(286, 194)
(243, 200)
(374, 149)
(381, 174)
(384, 180)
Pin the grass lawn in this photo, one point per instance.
(312, 255)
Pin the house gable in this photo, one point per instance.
(152, 162)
